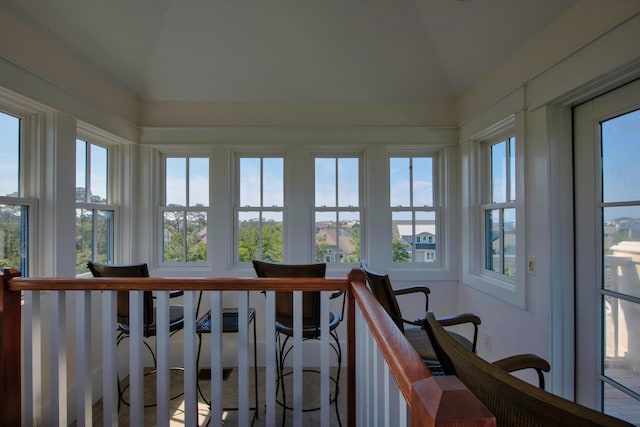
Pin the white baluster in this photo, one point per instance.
(270, 358)
(216, 359)
(243, 358)
(83, 359)
(190, 395)
(162, 355)
(136, 359)
(109, 359)
(58, 358)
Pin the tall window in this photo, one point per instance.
(337, 210)
(94, 213)
(14, 207)
(499, 209)
(185, 215)
(260, 209)
(414, 219)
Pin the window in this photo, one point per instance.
(14, 206)
(493, 246)
(260, 209)
(414, 218)
(185, 214)
(337, 209)
(499, 210)
(95, 216)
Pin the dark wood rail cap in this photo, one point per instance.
(177, 283)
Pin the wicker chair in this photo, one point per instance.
(514, 402)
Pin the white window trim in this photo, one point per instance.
(236, 208)
(509, 289)
(337, 154)
(159, 190)
(442, 269)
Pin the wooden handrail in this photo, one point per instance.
(434, 401)
(429, 398)
(172, 284)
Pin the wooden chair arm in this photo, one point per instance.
(415, 289)
(460, 319)
(519, 362)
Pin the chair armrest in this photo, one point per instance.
(460, 319)
(415, 289)
(519, 362)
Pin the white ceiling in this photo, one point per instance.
(291, 50)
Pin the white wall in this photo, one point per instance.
(585, 52)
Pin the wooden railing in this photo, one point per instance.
(430, 401)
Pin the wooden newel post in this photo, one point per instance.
(10, 382)
(446, 402)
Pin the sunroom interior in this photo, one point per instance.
(465, 145)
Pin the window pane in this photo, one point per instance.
(425, 239)
(620, 153)
(272, 236)
(250, 182)
(349, 237)
(326, 244)
(98, 174)
(399, 181)
(81, 171)
(273, 182)
(198, 182)
(104, 237)
(249, 236)
(14, 237)
(173, 237)
(509, 245)
(10, 162)
(402, 234)
(176, 185)
(620, 245)
(197, 236)
(512, 169)
(325, 171)
(620, 405)
(422, 168)
(84, 239)
(493, 240)
(499, 172)
(348, 182)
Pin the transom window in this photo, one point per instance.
(95, 216)
(499, 209)
(185, 214)
(260, 208)
(14, 206)
(337, 210)
(414, 217)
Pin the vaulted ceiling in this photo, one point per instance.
(290, 50)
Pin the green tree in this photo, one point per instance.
(401, 251)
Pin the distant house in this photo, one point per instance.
(335, 242)
(425, 239)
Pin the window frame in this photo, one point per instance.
(510, 289)
(439, 183)
(237, 208)
(93, 137)
(28, 176)
(360, 209)
(162, 206)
